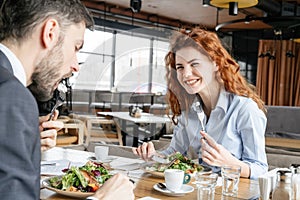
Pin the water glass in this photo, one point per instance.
(101, 153)
(230, 178)
(206, 184)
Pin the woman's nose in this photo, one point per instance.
(187, 71)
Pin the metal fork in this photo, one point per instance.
(165, 161)
(200, 112)
(160, 159)
(59, 102)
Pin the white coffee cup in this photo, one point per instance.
(174, 179)
(101, 153)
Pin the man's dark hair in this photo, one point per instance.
(20, 17)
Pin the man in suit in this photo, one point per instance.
(39, 40)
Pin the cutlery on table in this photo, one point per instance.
(160, 159)
(164, 187)
(48, 163)
(165, 161)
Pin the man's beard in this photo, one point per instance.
(46, 74)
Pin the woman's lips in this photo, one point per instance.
(191, 82)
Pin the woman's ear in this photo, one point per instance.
(50, 33)
(216, 66)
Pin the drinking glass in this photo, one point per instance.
(206, 184)
(101, 153)
(230, 178)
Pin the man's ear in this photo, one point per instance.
(50, 33)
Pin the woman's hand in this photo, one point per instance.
(48, 131)
(145, 151)
(215, 154)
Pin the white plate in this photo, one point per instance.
(107, 160)
(206, 170)
(47, 185)
(184, 190)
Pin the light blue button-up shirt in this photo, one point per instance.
(236, 123)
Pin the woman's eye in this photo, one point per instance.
(195, 64)
(179, 67)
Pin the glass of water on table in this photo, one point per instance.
(206, 184)
(230, 177)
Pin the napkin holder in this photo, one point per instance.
(267, 183)
(135, 111)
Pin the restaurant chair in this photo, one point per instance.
(103, 100)
(100, 129)
(282, 136)
(72, 132)
(281, 158)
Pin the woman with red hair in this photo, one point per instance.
(216, 112)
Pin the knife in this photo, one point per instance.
(160, 159)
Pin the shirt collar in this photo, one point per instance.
(222, 102)
(16, 64)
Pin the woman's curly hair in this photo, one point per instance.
(228, 74)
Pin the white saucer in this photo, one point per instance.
(184, 190)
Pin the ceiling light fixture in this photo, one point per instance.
(135, 5)
(280, 22)
(233, 8)
(233, 5)
(205, 3)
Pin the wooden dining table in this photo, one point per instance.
(144, 182)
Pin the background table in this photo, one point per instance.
(146, 118)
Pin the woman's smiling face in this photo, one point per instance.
(194, 69)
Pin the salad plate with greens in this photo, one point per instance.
(177, 161)
(79, 182)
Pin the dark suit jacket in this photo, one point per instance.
(20, 152)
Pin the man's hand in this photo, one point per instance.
(48, 131)
(117, 187)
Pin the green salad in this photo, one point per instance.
(179, 162)
(87, 178)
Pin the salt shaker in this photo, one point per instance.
(283, 189)
(295, 168)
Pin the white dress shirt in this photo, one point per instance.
(17, 66)
(236, 123)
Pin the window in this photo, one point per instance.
(136, 65)
(96, 58)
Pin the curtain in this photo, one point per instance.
(278, 72)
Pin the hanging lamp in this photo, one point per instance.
(233, 5)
